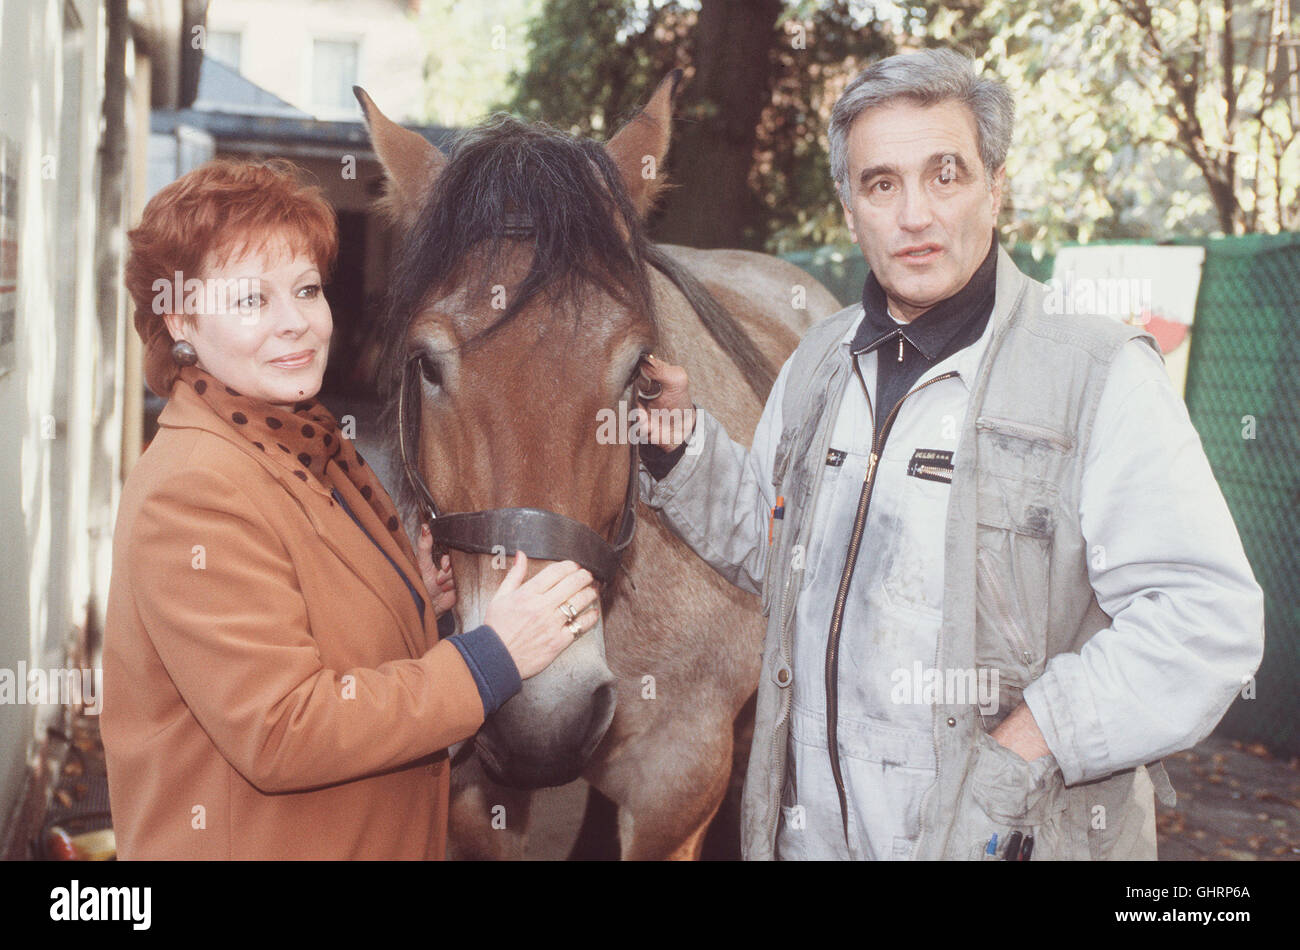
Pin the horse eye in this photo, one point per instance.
(429, 370)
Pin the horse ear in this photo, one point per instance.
(411, 161)
(640, 146)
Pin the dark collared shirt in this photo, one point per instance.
(906, 350)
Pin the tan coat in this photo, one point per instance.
(270, 690)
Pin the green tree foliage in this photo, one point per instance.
(1142, 119)
(473, 51)
(593, 63)
(1135, 118)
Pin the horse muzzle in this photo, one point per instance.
(546, 733)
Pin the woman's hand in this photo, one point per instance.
(672, 413)
(527, 615)
(438, 581)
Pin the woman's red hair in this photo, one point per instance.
(219, 210)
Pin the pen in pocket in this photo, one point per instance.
(1026, 847)
(778, 514)
(991, 849)
(1012, 852)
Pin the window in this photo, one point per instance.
(333, 74)
(224, 47)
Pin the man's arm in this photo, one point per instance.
(1167, 565)
(718, 496)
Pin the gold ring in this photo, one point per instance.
(569, 611)
(574, 628)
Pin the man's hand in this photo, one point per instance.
(663, 426)
(439, 582)
(1019, 733)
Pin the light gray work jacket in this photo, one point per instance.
(1013, 526)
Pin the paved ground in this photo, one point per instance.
(1236, 802)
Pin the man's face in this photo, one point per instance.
(920, 204)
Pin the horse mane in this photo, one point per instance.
(720, 322)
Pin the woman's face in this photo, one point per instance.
(263, 327)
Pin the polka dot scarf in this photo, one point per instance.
(303, 441)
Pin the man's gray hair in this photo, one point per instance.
(927, 78)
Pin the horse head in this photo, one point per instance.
(521, 306)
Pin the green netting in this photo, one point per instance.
(1245, 351)
(1245, 362)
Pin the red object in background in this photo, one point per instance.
(59, 846)
(1169, 334)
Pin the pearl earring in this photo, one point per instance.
(184, 354)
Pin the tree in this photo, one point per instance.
(1137, 119)
(733, 67)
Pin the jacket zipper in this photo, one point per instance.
(1025, 430)
(837, 614)
(1004, 615)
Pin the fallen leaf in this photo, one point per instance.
(1268, 796)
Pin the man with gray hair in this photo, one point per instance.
(1001, 581)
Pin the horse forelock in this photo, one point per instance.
(584, 229)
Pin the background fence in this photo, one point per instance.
(1243, 372)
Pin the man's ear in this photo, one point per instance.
(995, 190)
(848, 219)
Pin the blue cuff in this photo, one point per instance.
(489, 662)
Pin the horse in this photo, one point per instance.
(523, 298)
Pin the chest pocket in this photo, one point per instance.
(1018, 502)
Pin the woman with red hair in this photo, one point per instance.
(274, 682)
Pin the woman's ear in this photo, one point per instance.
(175, 325)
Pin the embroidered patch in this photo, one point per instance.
(932, 464)
(835, 457)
